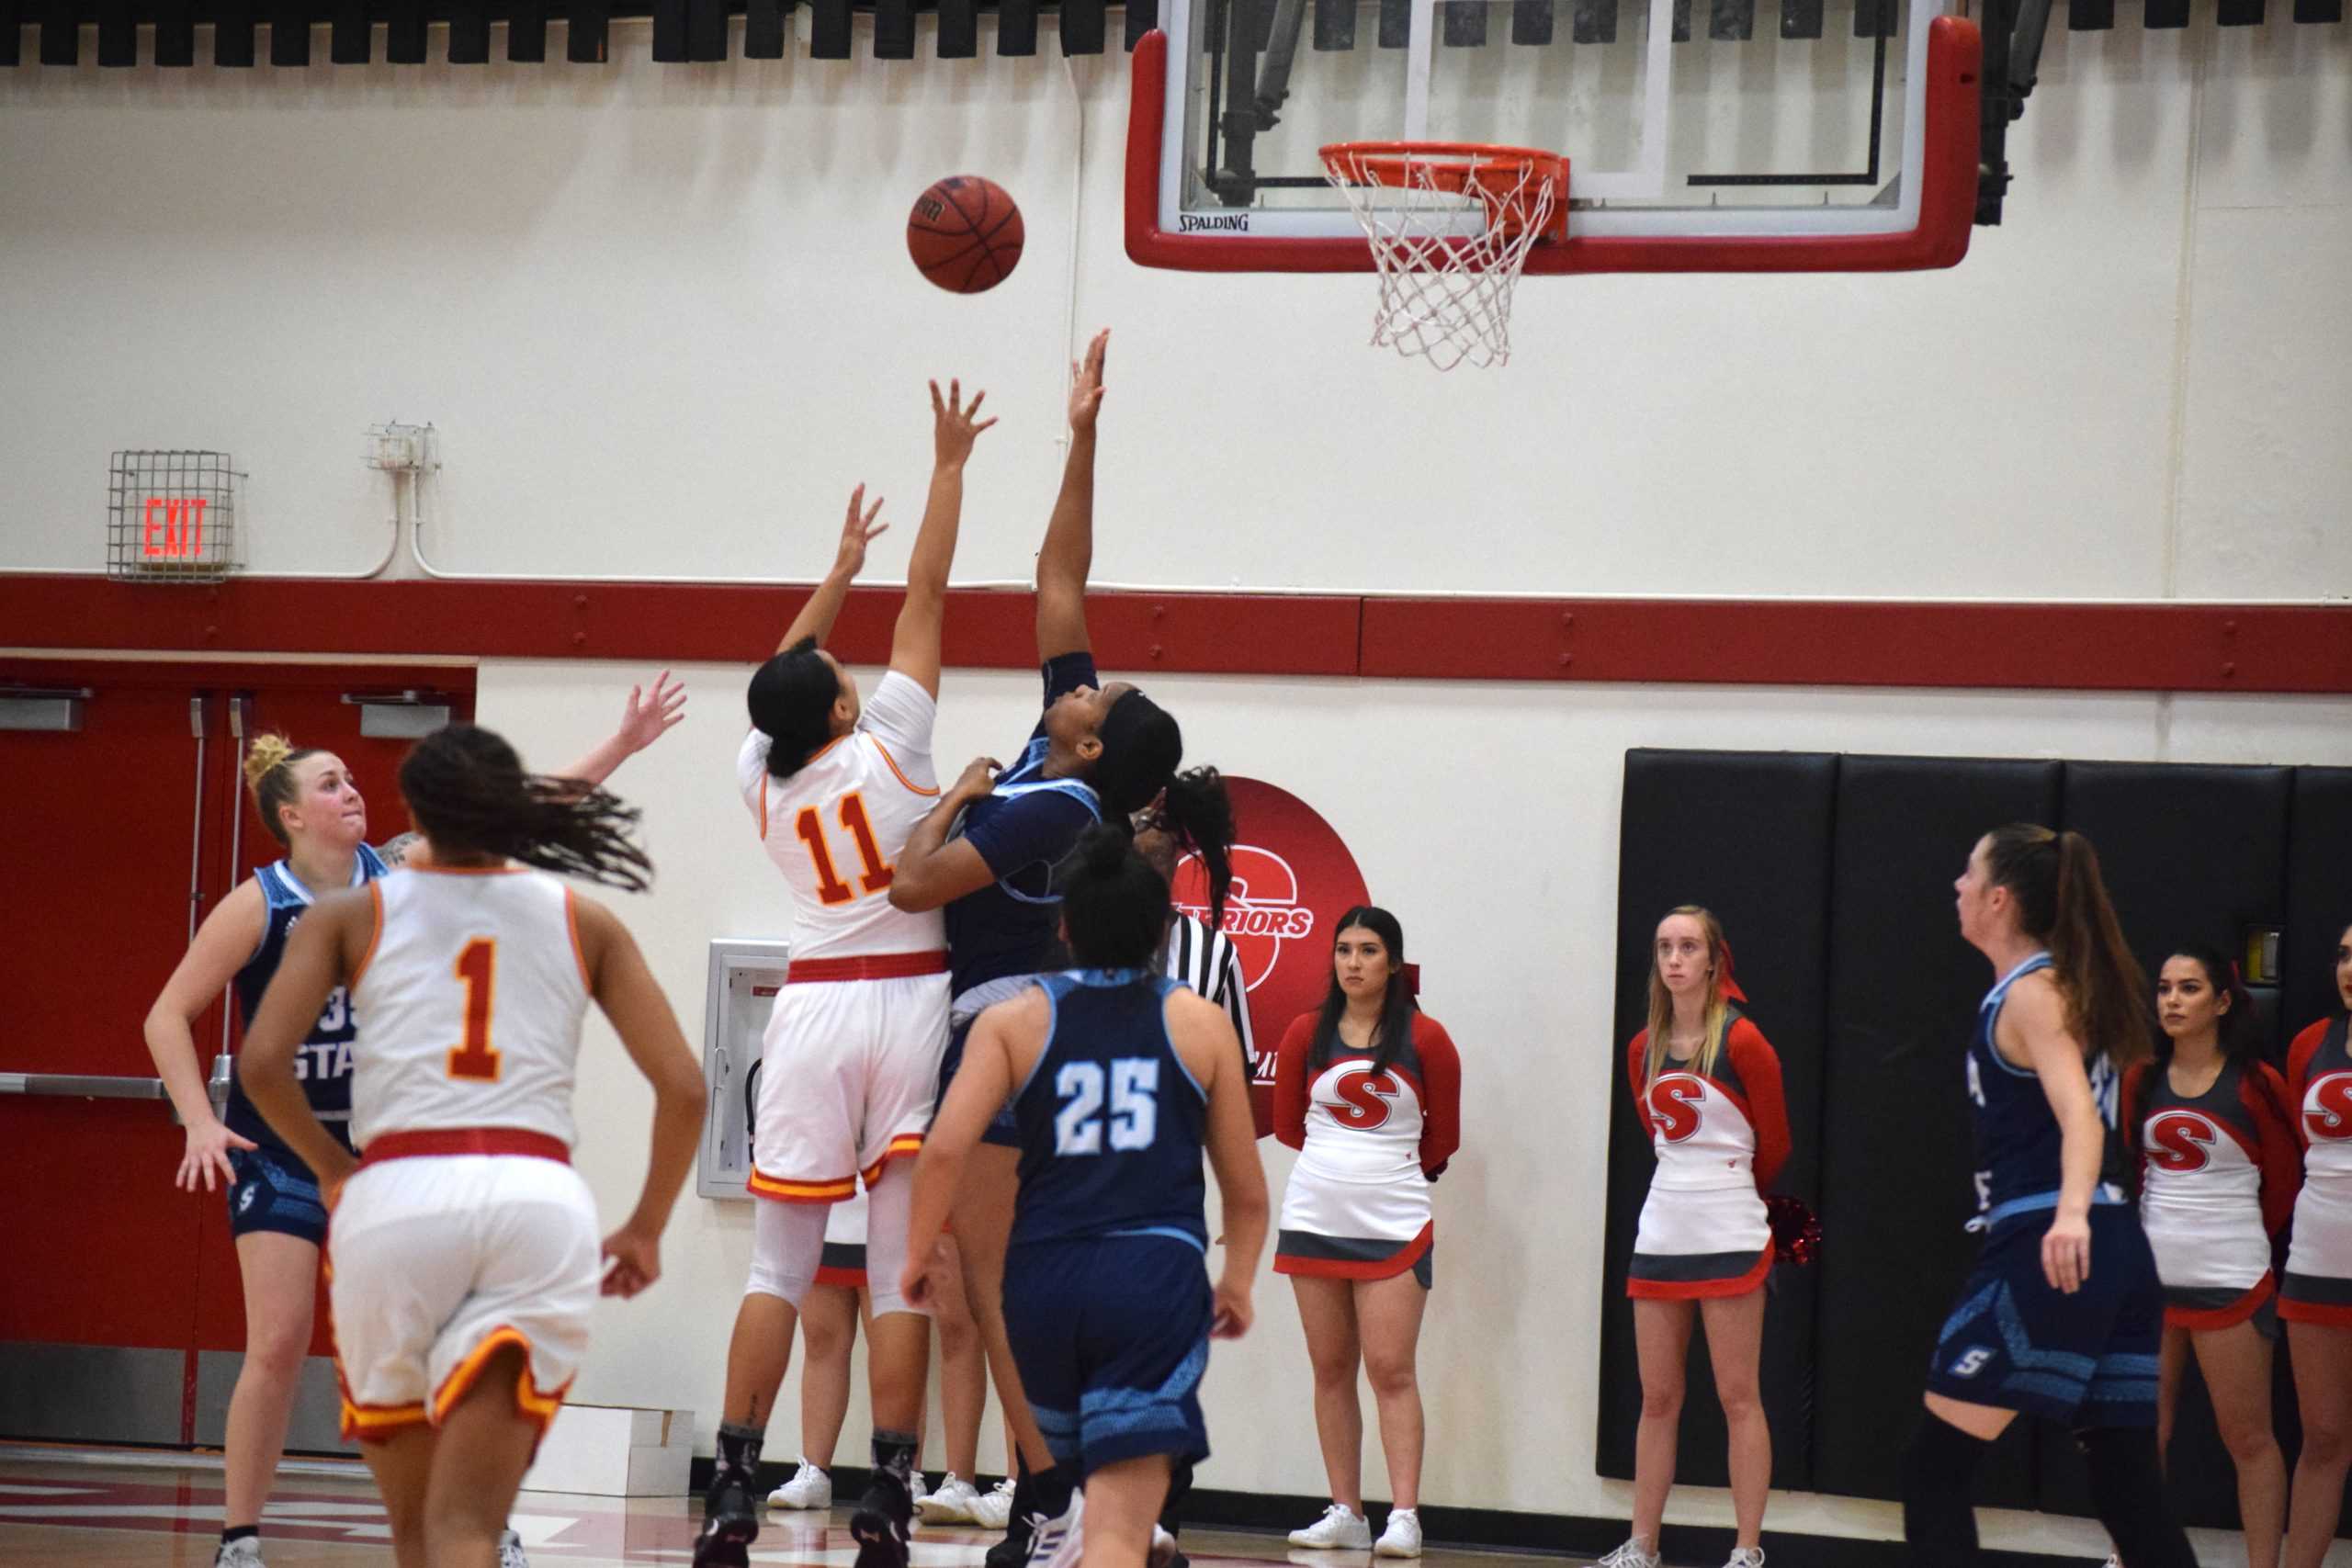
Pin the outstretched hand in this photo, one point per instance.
(953, 429)
(858, 530)
(648, 717)
(1086, 384)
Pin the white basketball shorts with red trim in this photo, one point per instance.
(438, 1261)
(849, 1070)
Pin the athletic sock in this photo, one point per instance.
(2128, 1491)
(241, 1532)
(1939, 1509)
(738, 1452)
(1054, 1487)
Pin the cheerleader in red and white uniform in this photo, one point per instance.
(2218, 1169)
(2315, 1298)
(1368, 1090)
(1707, 1087)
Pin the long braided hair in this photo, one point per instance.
(469, 793)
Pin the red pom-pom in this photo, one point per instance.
(1796, 1232)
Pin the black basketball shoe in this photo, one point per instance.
(730, 1524)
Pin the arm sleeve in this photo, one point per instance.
(1634, 1054)
(1234, 997)
(1290, 1082)
(1441, 1094)
(1759, 1073)
(2281, 1154)
(752, 777)
(1065, 673)
(2127, 1101)
(1027, 829)
(901, 714)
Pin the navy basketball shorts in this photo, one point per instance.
(2088, 1358)
(272, 1191)
(1004, 1132)
(1111, 1336)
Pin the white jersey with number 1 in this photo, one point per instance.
(835, 827)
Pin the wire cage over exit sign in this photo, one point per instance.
(172, 516)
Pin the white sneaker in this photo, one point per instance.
(1340, 1526)
(510, 1551)
(952, 1504)
(809, 1488)
(1635, 1553)
(994, 1510)
(1163, 1549)
(917, 1490)
(1402, 1537)
(1059, 1543)
(1746, 1557)
(243, 1553)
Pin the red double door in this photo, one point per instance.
(124, 1314)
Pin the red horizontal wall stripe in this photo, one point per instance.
(2112, 647)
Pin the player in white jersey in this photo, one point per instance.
(849, 1062)
(463, 1258)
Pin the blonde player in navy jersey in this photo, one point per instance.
(849, 1066)
(2218, 1166)
(2062, 1315)
(310, 803)
(2316, 1297)
(1119, 1079)
(1707, 1084)
(1368, 1090)
(465, 1262)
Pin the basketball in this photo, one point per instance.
(964, 234)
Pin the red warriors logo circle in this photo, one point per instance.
(1292, 878)
(2179, 1141)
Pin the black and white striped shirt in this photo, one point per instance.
(1206, 962)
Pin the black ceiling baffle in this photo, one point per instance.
(469, 32)
(12, 26)
(60, 34)
(828, 29)
(290, 33)
(1732, 21)
(1800, 19)
(590, 22)
(1335, 26)
(2089, 16)
(351, 33)
(1532, 20)
(174, 33)
(706, 30)
(1016, 26)
(1142, 16)
(2167, 14)
(117, 35)
(959, 29)
(1082, 26)
(670, 31)
(1463, 23)
(763, 29)
(233, 33)
(894, 29)
(404, 33)
(526, 31)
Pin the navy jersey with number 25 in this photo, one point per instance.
(1111, 1119)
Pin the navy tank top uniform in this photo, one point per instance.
(2015, 1341)
(1107, 1300)
(273, 1189)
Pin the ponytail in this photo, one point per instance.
(791, 700)
(1196, 813)
(270, 774)
(468, 791)
(2062, 903)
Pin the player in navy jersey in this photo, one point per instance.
(1119, 1079)
(989, 852)
(2062, 1316)
(2316, 1295)
(2218, 1166)
(310, 804)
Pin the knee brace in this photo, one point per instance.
(787, 1246)
(1938, 1486)
(889, 1206)
(2128, 1490)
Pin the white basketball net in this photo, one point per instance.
(1445, 286)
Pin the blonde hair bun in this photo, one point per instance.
(265, 756)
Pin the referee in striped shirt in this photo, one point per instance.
(1203, 960)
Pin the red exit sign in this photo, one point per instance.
(172, 528)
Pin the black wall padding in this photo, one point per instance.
(2319, 897)
(1746, 834)
(1903, 992)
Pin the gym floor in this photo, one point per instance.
(149, 1513)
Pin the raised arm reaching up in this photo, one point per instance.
(824, 606)
(914, 644)
(1067, 554)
